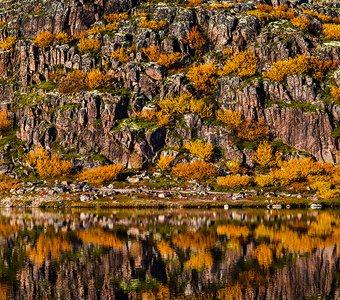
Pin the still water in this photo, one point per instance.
(164, 254)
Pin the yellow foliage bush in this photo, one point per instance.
(231, 119)
(164, 162)
(265, 180)
(203, 77)
(242, 63)
(7, 183)
(200, 149)
(216, 6)
(263, 17)
(195, 170)
(232, 230)
(233, 166)
(48, 165)
(302, 23)
(97, 236)
(166, 60)
(194, 38)
(335, 92)
(193, 3)
(2, 24)
(233, 181)
(266, 13)
(321, 17)
(184, 104)
(331, 31)
(152, 24)
(102, 174)
(281, 69)
(90, 44)
(5, 121)
(265, 157)
(8, 43)
(114, 17)
(97, 79)
(74, 82)
(62, 37)
(251, 130)
(121, 55)
(44, 39)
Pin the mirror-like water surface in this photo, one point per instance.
(159, 254)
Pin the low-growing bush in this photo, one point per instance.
(195, 170)
(164, 162)
(5, 121)
(335, 92)
(166, 60)
(74, 82)
(331, 31)
(204, 77)
(152, 24)
(321, 17)
(46, 165)
(8, 43)
(44, 39)
(200, 149)
(97, 79)
(62, 37)
(252, 130)
(234, 181)
(89, 45)
(302, 23)
(231, 119)
(194, 38)
(7, 183)
(101, 175)
(114, 17)
(242, 63)
(121, 55)
(265, 157)
(184, 104)
(265, 180)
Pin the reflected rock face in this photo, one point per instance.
(132, 254)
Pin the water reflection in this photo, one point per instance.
(184, 254)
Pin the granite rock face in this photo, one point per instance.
(103, 123)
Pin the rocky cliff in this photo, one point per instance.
(299, 110)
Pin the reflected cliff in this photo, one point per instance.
(160, 254)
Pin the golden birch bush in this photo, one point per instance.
(203, 77)
(242, 63)
(196, 169)
(234, 181)
(101, 175)
(200, 149)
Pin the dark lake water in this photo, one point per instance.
(164, 254)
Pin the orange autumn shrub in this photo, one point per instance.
(152, 24)
(321, 17)
(97, 79)
(199, 261)
(73, 82)
(264, 255)
(97, 236)
(89, 45)
(44, 39)
(114, 17)
(184, 104)
(3, 24)
(231, 230)
(265, 180)
(193, 3)
(335, 92)
(231, 119)
(234, 181)
(242, 63)
(251, 130)
(164, 162)
(194, 38)
(203, 77)
(62, 37)
(265, 157)
(302, 23)
(46, 165)
(331, 31)
(102, 174)
(263, 17)
(5, 121)
(121, 55)
(195, 170)
(7, 183)
(166, 60)
(8, 43)
(200, 149)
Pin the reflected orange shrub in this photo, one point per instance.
(99, 237)
(194, 241)
(199, 261)
(264, 255)
(47, 246)
(231, 230)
